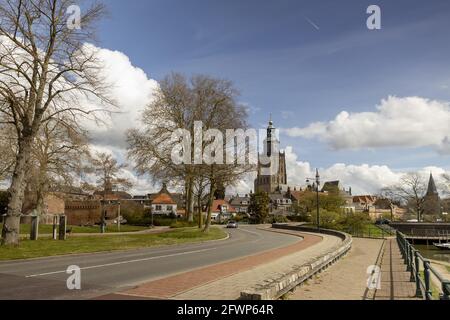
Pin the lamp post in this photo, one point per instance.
(317, 183)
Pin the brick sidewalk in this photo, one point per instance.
(345, 280)
(395, 280)
(209, 282)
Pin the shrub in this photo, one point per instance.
(278, 219)
(328, 219)
(133, 212)
(354, 221)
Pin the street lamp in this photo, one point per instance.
(317, 182)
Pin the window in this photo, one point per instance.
(169, 208)
(158, 208)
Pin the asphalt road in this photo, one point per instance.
(103, 273)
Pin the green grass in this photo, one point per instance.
(433, 288)
(368, 230)
(48, 229)
(76, 245)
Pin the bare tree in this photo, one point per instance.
(47, 72)
(410, 192)
(446, 182)
(173, 108)
(107, 170)
(59, 154)
(179, 103)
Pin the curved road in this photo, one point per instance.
(103, 273)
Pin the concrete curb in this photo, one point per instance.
(276, 288)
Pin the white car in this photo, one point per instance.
(232, 224)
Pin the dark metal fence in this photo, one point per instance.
(373, 232)
(422, 271)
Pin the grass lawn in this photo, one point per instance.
(47, 247)
(48, 229)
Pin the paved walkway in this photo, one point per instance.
(345, 280)
(395, 280)
(225, 281)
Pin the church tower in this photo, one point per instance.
(432, 202)
(275, 180)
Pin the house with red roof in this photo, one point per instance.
(222, 210)
(163, 203)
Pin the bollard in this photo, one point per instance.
(418, 291)
(426, 267)
(55, 227)
(34, 232)
(62, 227)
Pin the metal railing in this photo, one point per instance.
(373, 232)
(417, 265)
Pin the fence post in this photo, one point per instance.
(34, 230)
(407, 258)
(62, 227)
(55, 227)
(446, 290)
(417, 265)
(411, 260)
(426, 272)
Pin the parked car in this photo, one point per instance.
(232, 224)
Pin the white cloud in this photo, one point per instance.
(363, 179)
(131, 89)
(398, 122)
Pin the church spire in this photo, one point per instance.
(431, 186)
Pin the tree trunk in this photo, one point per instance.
(190, 199)
(200, 213)
(41, 191)
(212, 190)
(11, 226)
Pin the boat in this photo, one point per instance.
(442, 246)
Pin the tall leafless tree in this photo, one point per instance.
(47, 72)
(179, 103)
(107, 171)
(410, 192)
(59, 154)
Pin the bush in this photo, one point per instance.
(278, 219)
(354, 221)
(300, 218)
(328, 219)
(134, 213)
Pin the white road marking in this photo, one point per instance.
(122, 262)
(251, 232)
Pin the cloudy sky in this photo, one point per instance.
(363, 106)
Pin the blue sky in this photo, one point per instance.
(284, 65)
